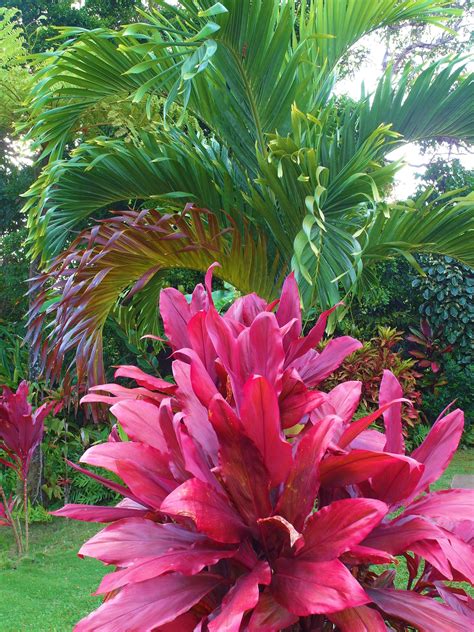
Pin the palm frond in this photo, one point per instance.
(314, 190)
(337, 25)
(117, 259)
(436, 105)
(445, 227)
(172, 167)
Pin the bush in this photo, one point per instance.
(448, 303)
(368, 364)
(457, 387)
(253, 501)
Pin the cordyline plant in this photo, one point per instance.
(252, 501)
(21, 432)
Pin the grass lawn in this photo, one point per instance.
(51, 589)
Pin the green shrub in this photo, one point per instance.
(447, 291)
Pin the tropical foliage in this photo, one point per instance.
(448, 303)
(368, 364)
(253, 501)
(242, 119)
(21, 432)
(14, 77)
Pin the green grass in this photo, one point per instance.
(51, 589)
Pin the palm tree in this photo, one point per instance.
(238, 117)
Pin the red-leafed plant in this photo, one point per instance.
(21, 432)
(367, 366)
(253, 501)
(430, 350)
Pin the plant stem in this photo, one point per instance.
(25, 509)
(12, 521)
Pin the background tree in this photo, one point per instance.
(41, 18)
(305, 182)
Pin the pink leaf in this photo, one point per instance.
(421, 612)
(148, 485)
(241, 597)
(140, 421)
(330, 359)
(397, 536)
(391, 390)
(175, 312)
(306, 588)
(107, 455)
(245, 309)
(240, 464)
(342, 401)
(361, 619)
(201, 342)
(150, 604)
(439, 446)
(92, 513)
(301, 346)
(209, 509)
(122, 542)
(296, 400)
(336, 528)
(143, 379)
(196, 415)
(298, 497)
(453, 504)
(279, 536)
(357, 427)
(360, 465)
(269, 616)
(266, 354)
(289, 307)
(260, 416)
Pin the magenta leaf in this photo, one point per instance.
(390, 390)
(143, 379)
(306, 588)
(241, 597)
(330, 359)
(361, 619)
(334, 529)
(269, 616)
(298, 496)
(438, 448)
(91, 513)
(421, 612)
(246, 309)
(176, 314)
(140, 422)
(360, 465)
(241, 466)
(260, 402)
(451, 504)
(209, 509)
(295, 400)
(147, 605)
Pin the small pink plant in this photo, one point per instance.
(253, 501)
(21, 432)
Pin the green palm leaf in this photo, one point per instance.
(436, 105)
(228, 106)
(445, 227)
